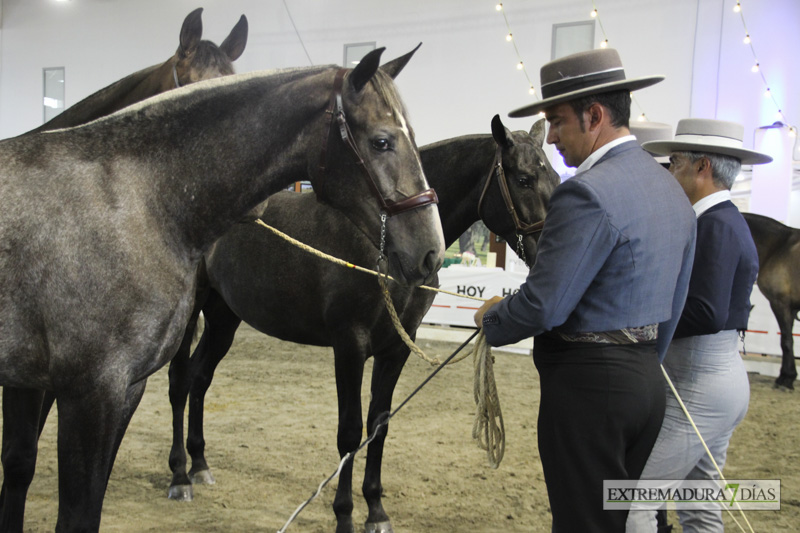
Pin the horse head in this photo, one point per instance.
(523, 170)
(197, 60)
(378, 181)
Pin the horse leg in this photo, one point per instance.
(349, 357)
(220, 329)
(180, 488)
(90, 429)
(21, 408)
(47, 404)
(788, 373)
(385, 372)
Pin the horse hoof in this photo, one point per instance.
(181, 493)
(202, 477)
(378, 527)
(783, 388)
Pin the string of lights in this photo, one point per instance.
(595, 14)
(757, 68)
(521, 64)
(510, 38)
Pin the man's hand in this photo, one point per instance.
(488, 304)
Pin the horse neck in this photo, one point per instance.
(768, 236)
(457, 169)
(129, 90)
(213, 151)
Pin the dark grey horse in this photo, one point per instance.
(103, 227)
(254, 276)
(779, 281)
(195, 60)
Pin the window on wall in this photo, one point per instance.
(353, 53)
(53, 102)
(572, 37)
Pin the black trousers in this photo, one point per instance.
(600, 413)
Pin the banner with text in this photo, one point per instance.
(479, 282)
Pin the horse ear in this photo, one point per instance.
(537, 132)
(393, 67)
(234, 44)
(365, 69)
(191, 32)
(500, 132)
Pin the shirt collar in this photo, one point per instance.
(707, 202)
(595, 156)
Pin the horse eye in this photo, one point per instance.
(381, 145)
(524, 180)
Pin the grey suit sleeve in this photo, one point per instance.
(574, 245)
(666, 329)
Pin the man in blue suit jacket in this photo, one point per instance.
(703, 360)
(605, 293)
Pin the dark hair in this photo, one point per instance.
(618, 104)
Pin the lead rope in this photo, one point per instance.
(708, 452)
(488, 428)
(381, 421)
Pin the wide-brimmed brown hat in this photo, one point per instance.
(709, 136)
(582, 74)
(652, 131)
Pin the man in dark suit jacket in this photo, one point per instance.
(703, 359)
(605, 293)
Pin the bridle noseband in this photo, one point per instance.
(522, 229)
(336, 109)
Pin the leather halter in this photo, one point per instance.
(336, 109)
(521, 227)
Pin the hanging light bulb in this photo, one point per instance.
(737, 7)
(755, 67)
(499, 6)
(747, 39)
(641, 118)
(767, 93)
(604, 44)
(594, 13)
(519, 65)
(532, 90)
(509, 37)
(792, 132)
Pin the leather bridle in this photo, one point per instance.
(522, 229)
(336, 109)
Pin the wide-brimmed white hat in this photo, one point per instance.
(582, 74)
(709, 136)
(652, 131)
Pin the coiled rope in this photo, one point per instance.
(488, 428)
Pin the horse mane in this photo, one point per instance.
(386, 89)
(97, 104)
(155, 104)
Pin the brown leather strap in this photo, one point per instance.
(336, 109)
(522, 228)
